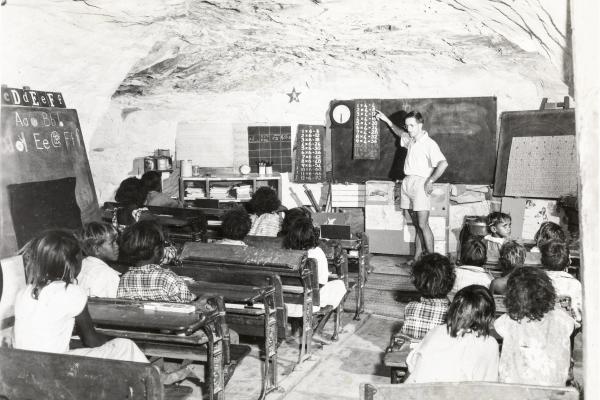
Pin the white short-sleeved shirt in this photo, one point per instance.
(469, 275)
(322, 264)
(566, 285)
(442, 358)
(268, 224)
(423, 155)
(46, 324)
(97, 278)
(535, 352)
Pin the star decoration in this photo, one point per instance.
(294, 95)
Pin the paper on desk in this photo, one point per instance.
(171, 307)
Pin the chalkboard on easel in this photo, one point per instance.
(537, 154)
(464, 128)
(42, 150)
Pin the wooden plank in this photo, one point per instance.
(466, 391)
(36, 375)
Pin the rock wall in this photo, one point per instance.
(134, 69)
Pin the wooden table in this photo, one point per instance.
(246, 297)
(358, 248)
(194, 336)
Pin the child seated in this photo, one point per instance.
(152, 185)
(499, 225)
(471, 272)
(433, 276)
(142, 245)
(266, 221)
(555, 260)
(131, 196)
(235, 225)
(302, 235)
(461, 349)
(548, 231)
(99, 244)
(48, 307)
(536, 346)
(512, 256)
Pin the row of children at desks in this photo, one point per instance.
(64, 268)
(453, 328)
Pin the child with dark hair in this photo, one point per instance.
(433, 276)
(499, 225)
(290, 216)
(142, 244)
(536, 336)
(131, 196)
(152, 185)
(548, 231)
(302, 235)
(264, 204)
(470, 271)
(99, 244)
(512, 256)
(555, 260)
(235, 225)
(461, 349)
(52, 302)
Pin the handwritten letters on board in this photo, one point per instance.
(309, 154)
(366, 130)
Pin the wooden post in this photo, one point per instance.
(586, 63)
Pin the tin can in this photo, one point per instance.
(162, 163)
(149, 164)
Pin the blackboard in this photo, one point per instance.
(272, 144)
(366, 130)
(537, 126)
(309, 166)
(464, 128)
(42, 144)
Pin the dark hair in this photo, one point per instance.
(151, 181)
(496, 218)
(549, 231)
(140, 241)
(130, 191)
(433, 276)
(235, 224)
(529, 293)
(94, 234)
(302, 235)
(416, 115)
(512, 255)
(264, 201)
(555, 255)
(473, 251)
(471, 310)
(51, 256)
(291, 216)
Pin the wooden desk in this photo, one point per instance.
(242, 317)
(169, 334)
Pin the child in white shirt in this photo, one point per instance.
(462, 349)
(99, 241)
(471, 272)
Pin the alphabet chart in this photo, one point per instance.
(271, 144)
(366, 130)
(542, 166)
(309, 154)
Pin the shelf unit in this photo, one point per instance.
(222, 187)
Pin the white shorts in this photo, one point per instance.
(413, 195)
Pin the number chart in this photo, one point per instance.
(271, 144)
(309, 154)
(366, 131)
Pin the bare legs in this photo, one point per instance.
(424, 235)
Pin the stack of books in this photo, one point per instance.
(193, 193)
(243, 192)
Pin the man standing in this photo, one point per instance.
(424, 164)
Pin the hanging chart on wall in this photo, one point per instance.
(309, 166)
(272, 144)
(366, 130)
